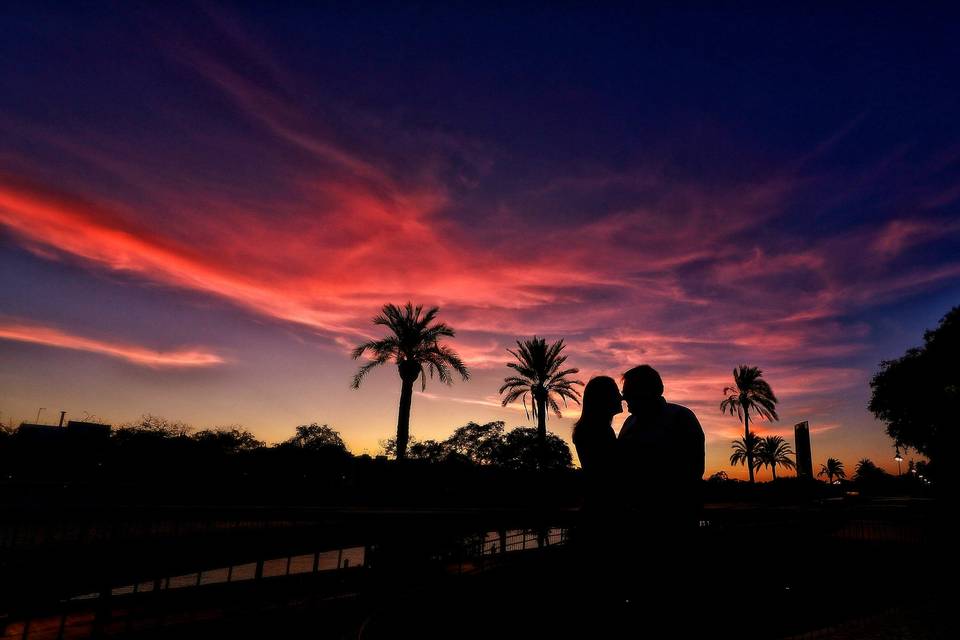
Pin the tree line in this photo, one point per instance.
(916, 396)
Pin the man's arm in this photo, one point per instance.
(702, 446)
(696, 445)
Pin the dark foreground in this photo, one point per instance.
(873, 569)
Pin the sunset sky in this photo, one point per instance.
(202, 208)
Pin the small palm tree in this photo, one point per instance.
(414, 345)
(773, 451)
(864, 469)
(745, 450)
(833, 468)
(750, 392)
(541, 376)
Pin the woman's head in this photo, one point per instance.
(601, 401)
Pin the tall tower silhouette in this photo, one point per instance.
(801, 432)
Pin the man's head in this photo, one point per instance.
(642, 389)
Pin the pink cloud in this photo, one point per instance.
(896, 236)
(26, 332)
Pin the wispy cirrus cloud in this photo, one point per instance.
(136, 354)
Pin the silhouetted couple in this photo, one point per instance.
(642, 502)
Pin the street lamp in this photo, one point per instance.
(899, 459)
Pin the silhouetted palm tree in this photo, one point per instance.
(865, 467)
(750, 392)
(414, 345)
(541, 376)
(773, 451)
(745, 450)
(833, 468)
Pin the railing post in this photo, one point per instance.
(63, 624)
(316, 562)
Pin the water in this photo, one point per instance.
(330, 560)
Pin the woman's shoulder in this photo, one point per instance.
(594, 435)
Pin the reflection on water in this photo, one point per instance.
(487, 543)
(519, 540)
(272, 568)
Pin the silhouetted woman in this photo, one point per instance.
(597, 529)
(596, 445)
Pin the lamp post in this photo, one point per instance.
(899, 459)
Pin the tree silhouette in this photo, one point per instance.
(745, 450)
(151, 426)
(749, 392)
(414, 345)
(773, 451)
(540, 375)
(228, 439)
(476, 442)
(918, 394)
(519, 451)
(429, 450)
(867, 471)
(315, 437)
(719, 477)
(833, 469)
(865, 467)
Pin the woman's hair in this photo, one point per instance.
(596, 398)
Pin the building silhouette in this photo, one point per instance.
(801, 432)
(75, 431)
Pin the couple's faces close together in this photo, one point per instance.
(641, 391)
(615, 401)
(640, 400)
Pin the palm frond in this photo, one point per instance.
(538, 366)
(358, 377)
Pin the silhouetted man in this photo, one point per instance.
(661, 449)
(661, 453)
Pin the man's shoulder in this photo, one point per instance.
(627, 426)
(678, 409)
(680, 412)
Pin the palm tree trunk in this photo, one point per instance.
(541, 400)
(403, 418)
(773, 469)
(746, 440)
